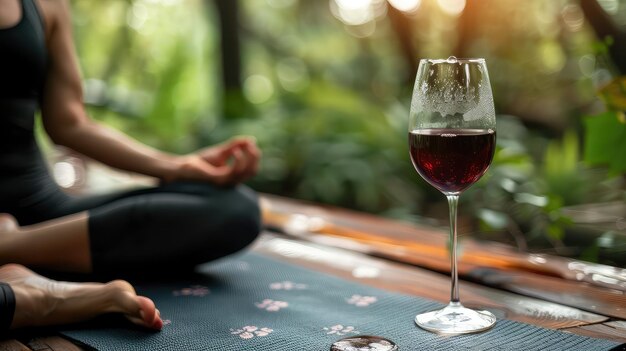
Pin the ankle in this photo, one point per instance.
(27, 306)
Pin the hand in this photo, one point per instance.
(225, 164)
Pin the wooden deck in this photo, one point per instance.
(547, 291)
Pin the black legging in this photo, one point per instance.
(174, 226)
(7, 307)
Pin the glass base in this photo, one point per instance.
(363, 343)
(455, 319)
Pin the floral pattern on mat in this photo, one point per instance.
(251, 331)
(361, 301)
(271, 305)
(340, 330)
(287, 285)
(194, 290)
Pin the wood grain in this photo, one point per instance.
(52, 343)
(604, 330)
(12, 345)
(421, 282)
(592, 287)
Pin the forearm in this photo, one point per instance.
(117, 150)
(64, 116)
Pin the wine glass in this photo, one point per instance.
(452, 139)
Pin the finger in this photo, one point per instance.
(225, 151)
(240, 164)
(243, 139)
(245, 142)
(254, 158)
(198, 169)
(219, 154)
(221, 175)
(234, 143)
(253, 149)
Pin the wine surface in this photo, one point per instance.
(452, 160)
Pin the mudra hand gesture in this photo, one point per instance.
(229, 163)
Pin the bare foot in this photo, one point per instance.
(41, 301)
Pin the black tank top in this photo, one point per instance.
(22, 75)
(23, 60)
(23, 56)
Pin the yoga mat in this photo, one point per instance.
(251, 302)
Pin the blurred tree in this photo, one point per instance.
(605, 132)
(228, 11)
(401, 25)
(233, 102)
(466, 28)
(605, 27)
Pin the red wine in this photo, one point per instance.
(452, 160)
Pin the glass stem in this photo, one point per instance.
(453, 202)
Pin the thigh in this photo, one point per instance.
(47, 201)
(175, 225)
(206, 191)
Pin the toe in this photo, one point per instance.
(138, 309)
(151, 316)
(141, 311)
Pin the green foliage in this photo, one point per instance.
(147, 68)
(606, 141)
(526, 199)
(328, 102)
(329, 145)
(563, 172)
(614, 94)
(161, 118)
(606, 132)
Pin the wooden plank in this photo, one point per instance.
(52, 343)
(596, 288)
(410, 280)
(295, 215)
(12, 345)
(609, 330)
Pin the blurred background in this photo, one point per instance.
(325, 86)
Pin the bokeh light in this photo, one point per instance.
(292, 74)
(610, 6)
(406, 5)
(452, 7)
(357, 12)
(587, 64)
(573, 17)
(258, 89)
(64, 174)
(137, 16)
(279, 4)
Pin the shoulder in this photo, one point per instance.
(56, 13)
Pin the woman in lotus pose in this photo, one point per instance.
(200, 211)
